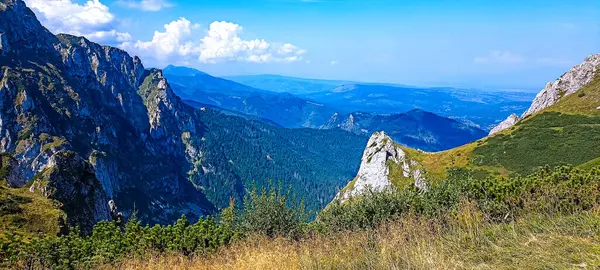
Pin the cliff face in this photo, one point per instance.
(146, 149)
(374, 169)
(118, 122)
(567, 84)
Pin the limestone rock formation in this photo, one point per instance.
(374, 170)
(69, 179)
(569, 83)
(509, 122)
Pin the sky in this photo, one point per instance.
(509, 44)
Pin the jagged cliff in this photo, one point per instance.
(567, 84)
(374, 172)
(132, 141)
(118, 121)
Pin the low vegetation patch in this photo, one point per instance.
(550, 138)
(548, 219)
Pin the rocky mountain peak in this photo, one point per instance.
(22, 34)
(374, 170)
(567, 84)
(509, 122)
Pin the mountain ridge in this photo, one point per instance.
(562, 133)
(133, 140)
(415, 128)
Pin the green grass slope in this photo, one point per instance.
(566, 133)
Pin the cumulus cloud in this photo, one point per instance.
(146, 5)
(500, 57)
(220, 43)
(174, 41)
(92, 19)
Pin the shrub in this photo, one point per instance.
(273, 213)
(109, 242)
(562, 190)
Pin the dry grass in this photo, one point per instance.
(463, 241)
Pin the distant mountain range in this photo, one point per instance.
(480, 108)
(284, 109)
(416, 128)
(284, 84)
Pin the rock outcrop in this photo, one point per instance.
(69, 179)
(374, 169)
(509, 122)
(567, 84)
(135, 142)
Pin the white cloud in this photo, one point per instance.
(220, 43)
(333, 62)
(499, 57)
(175, 40)
(92, 19)
(146, 5)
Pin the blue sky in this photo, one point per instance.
(469, 43)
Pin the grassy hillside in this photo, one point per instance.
(534, 242)
(585, 101)
(566, 133)
(28, 214)
(548, 220)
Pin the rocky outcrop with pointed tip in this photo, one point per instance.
(567, 84)
(509, 122)
(374, 171)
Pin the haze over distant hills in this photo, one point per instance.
(482, 108)
(416, 128)
(284, 109)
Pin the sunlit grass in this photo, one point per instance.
(464, 240)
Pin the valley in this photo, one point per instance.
(106, 163)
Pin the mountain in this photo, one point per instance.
(415, 129)
(82, 125)
(562, 127)
(569, 83)
(483, 109)
(284, 109)
(182, 71)
(284, 84)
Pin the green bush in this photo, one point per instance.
(110, 242)
(548, 139)
(562, 190)
(272, 212)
